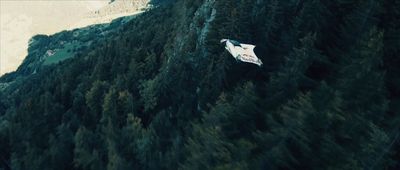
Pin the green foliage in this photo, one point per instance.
(160, 92)
(86, 155)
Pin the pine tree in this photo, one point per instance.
(61, 148)
(362, 82)
(285, 83)
(94, 100)
(86, 152)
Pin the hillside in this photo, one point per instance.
(114, 9)
(161, 92)
(49, 50)
(21, 20)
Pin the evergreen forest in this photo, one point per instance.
(161, 92)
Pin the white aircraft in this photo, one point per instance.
(242, 52)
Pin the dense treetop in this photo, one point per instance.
(160, 92)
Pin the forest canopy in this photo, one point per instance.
(161, 92)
